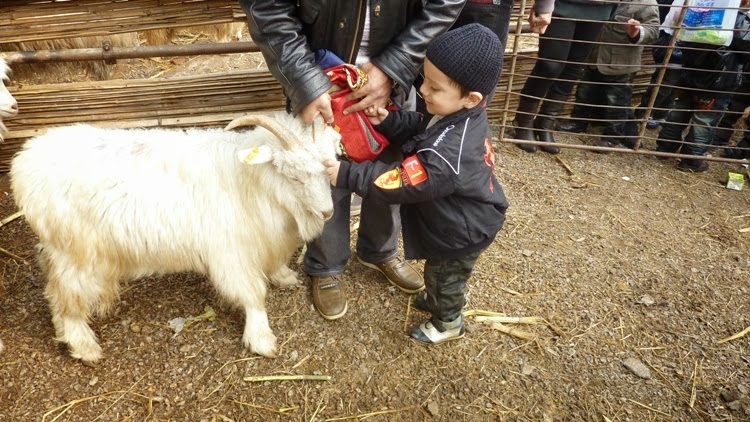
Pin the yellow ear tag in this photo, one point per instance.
(255, 155)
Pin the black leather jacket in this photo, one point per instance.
(288, 32)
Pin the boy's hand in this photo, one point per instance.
(376, 115)
(332, 170)
(633, 29)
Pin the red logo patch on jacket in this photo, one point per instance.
(413, 173)
(489, 159)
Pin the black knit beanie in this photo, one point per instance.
(471, 55)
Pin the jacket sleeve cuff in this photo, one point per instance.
(544, 6)
(342, 180)
(307, 90)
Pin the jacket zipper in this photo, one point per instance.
(356, 33)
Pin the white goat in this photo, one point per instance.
(113, 204)
(8, 104)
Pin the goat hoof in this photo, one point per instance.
(264, 346)
(286, 278)
(89, 353)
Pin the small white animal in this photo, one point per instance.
(111, 204)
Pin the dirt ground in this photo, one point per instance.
(628, 262)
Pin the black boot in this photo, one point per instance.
(523, 122)
(740, 151)
(572, 125)
(545, 121)
(578, 121)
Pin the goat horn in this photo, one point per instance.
(266, 122)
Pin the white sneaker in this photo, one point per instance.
(428, 333)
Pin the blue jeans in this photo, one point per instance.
(377, 239)
(702, 112)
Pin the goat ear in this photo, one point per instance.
(255, 155)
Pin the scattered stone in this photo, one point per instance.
(646, 300)
(527, 253)
(742, 388)
(527, 369)
(729, 395)
(93, 381)
(135, 327)
(433, 408)
(637, 367)
(734, 405)
(294, 355)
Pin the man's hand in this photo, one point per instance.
(320, 106)
(332, 170)
(539, 22)
(376, 115)
(376, 92)
(633, 29)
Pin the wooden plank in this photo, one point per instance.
(27, 20)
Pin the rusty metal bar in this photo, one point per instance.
(625, 150)
(109, 53)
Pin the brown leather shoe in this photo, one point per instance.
(328, 296)
(399, 273)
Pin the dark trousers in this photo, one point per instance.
(377, 240)
(445, 285)
(701, 112)
(614, 92)
(664, 96)
(737, 105)
(564, 41)
(495, 15)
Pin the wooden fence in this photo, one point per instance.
(205, 100)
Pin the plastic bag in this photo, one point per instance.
(706, 21)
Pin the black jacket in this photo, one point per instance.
(717, 72)
(286, 31)
(452, 204)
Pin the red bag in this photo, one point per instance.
(360, 141)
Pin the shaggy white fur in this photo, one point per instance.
(110, 205)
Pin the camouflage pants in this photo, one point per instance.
(445, 285)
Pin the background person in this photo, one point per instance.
(564, 47)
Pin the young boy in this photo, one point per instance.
(453, 206)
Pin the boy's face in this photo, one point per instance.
(442, 96)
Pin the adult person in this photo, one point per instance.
(607, 81)
(563, 50)
(388, 40)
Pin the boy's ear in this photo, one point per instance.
(473, 99)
